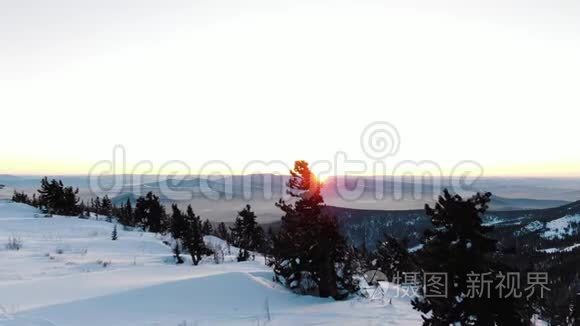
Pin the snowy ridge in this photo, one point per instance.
(566, 249)
(70, 272)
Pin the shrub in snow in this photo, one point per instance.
(218, 252)
(243, 255)
(218, 257)
(103, 263)
(177, 253)
(14, 243)
(114, 235)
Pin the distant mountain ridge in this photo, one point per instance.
(369, 226)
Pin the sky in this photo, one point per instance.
(239, 82)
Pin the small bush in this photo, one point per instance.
(103, 263)
(217, 251)
(14, 243)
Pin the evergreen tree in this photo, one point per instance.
(49, 195)
(247, 234)
(309, 254)
(459, 245)
(69, 202)
(114, 235)
(117, 212)
(107, 208)
(34, 201)
(149, 213)
(178, 223)
(88, 211)
(193, 237)
(393, 259)
(82, 209)
(237, 231)
(178, 229)
(222, 232)
(127, 214)
(207, 228)
(55, 198)
(20, 197)
(97, 206)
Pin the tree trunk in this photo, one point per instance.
(327, 284)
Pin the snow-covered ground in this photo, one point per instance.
(70, 272)
(565, 249)
(561, 227)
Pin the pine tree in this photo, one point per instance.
(252, 234)
(49, 194)
(193, 237)
(207, 228)
(55, 198)
(222, 232)
(247, 234)
(393, 259)
(178, 223)
(82, 209)
(69, 202)
(237, 231)
(97, 206)
(149, 213)
(20, 197)
(309, 254)
(178, 229)
(88, 210)
(127, 214)
(34, 201)
(107, 208)
(459, 245)
(114, 235)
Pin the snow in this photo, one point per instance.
(416, 248)
(70, 272)
(565, 249)
(561, 227)
(534, 226)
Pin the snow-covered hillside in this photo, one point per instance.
(561, 227)
(70, 272)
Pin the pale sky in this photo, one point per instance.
(496, 82)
